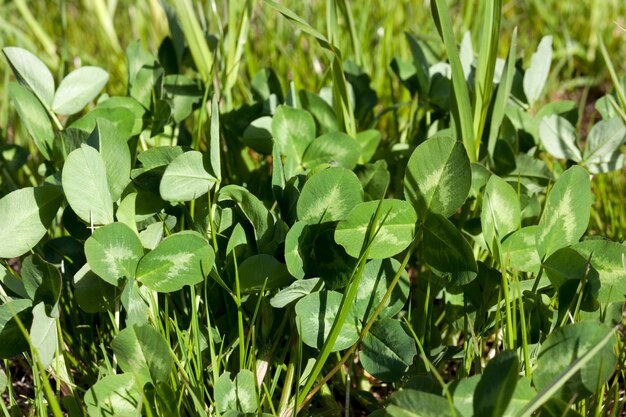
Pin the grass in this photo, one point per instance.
(87, 33)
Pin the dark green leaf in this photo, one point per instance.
(387, 351)
(497, 385)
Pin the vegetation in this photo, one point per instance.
(248, 208)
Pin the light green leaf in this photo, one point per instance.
(142, 351)
(566, 214)
(438, 177)
(77, 89)
(538, 71)
(114, 395)
(329, 195)
(34, 117)
(115, 153)
(334, 148)
(297, 235)
(387, 351)
(447, 250)
(602, 150)
(293, 132)
(377, 277)
(410, 403)
(31, 73)
(215, 155)
(394, 233)
(315, 314)
(43, 335)
(186, 178)
(609, 259)
(520, 250)
(294, 292)
(184, 258)
(558, 136)
(563, 347)
(501, 213)
(26, 215)
(84, 180)
(113, 252)
(237, 395)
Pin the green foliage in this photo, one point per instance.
(209, 243)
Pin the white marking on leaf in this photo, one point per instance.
(178, 262)
(114, 255)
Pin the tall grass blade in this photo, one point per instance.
(485, 69)
(194, 36)
(462, 109)
(550, 390)
(502, 95)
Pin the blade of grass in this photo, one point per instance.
(502, 95)
(550, 390)
(487, 56)
(194, 35)
(461, 109)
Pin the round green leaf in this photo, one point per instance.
(254, 271)
(377, 277)
(410, 403)
(113, 252)
(501, 213)
(558, 136)
(520, 250)
(387, 351)
(77, 89)
(34, 117)
(186, 178)
(114, 395)
(315, 314)
(609, 260)
(395, 229)
(329, 195)
(566, 214)
(26, 215)
(142, 350)
(563, 347)
(31, 72)
(603, 142)
(438, 176)
(332, 148)
(184, 258)
(446, 249)
(84, 180)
